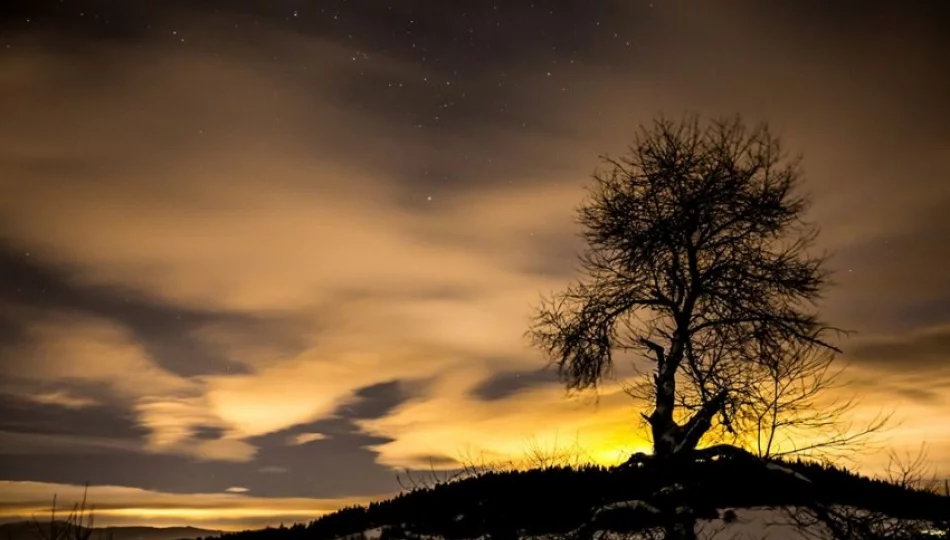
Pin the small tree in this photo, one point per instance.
(786, 409)
(698, 259)
(821, 519)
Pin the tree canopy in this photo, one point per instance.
(699, 258)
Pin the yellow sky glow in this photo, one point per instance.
(197, 184)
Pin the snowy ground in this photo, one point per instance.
(749, 524)
(755, 523)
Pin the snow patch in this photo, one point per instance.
(757, 523)
(760, 523)
(632, 505)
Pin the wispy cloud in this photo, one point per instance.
(64, 399)
(304, 438)
(54, 444)
(123, 505)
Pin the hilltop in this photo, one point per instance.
(558, 500)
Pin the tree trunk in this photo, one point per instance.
(673, 500)
(674, 447)
(675, 444)
(663, 427)
(680, 529)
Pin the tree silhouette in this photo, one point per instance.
(699, 259)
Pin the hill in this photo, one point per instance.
(26, 530)
(558, 500)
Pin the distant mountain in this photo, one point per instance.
(559, 500)
(26, 530)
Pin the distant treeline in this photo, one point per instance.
(559, 499)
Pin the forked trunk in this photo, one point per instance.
(673, 449)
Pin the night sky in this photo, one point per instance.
(257, 256)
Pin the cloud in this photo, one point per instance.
(273, 469)
(604, 431)
(457, 279)
(506, 384)
(304, 438)
(166, 332)
(56, 444)
(913, 365)
(63, 399)
(925, 350)
(23, 414)
(173, 422)
(121, 505)
(70, 347)
(67, 347)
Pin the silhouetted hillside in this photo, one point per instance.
(558, 500)
(26, 530)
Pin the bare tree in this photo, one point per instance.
(434, 477)
(788, 410)
(539, 456)
(698, 259)
(821, 519)
(913, 471)
(793, 407)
